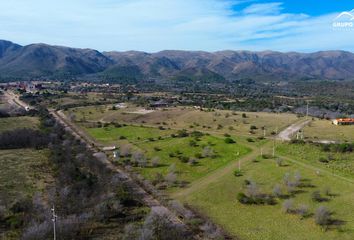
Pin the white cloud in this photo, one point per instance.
(153, 25)
(264, 8)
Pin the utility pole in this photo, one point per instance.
(307, 110)
(54, 219)
(239, 162)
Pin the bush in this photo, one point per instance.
(322, 216)
(288, 206)
(303, 210)
(237, 173)
(316, 196)
(229, 141)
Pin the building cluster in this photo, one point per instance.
(343, 121)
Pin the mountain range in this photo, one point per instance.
(47, 61)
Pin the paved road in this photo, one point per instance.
(287, 133)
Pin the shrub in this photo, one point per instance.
(155, 161)
(322, 216)
(316, 196)
(229, 141)
(303, 210)
(277, 192)
(237, 173)
(288, 206)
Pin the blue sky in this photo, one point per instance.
(154, 25)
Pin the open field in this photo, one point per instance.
(234, 123)
(339, 163)
(22, 173)
(179, 147)
(111, 134)
(218, 201)
(224, 154)
(325, 130)
(212, 187)
(18, 122)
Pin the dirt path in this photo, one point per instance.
(217, 174)
(13, 99)
(287, 133)
(267, 148)
(147, 198)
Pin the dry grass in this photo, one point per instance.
(325, 130)
(219, 121)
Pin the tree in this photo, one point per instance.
(159, 225)
(171, 178)
(288, 206)
(207, 152)
(277, 192)
(279, 162)
(316, 196)
(303, 210)
(139, 159)
(125, 150)
(322, 216)
(155, 161)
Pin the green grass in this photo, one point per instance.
(22, 172)
(139, 136)
(11, 123)
(218, 201)
(224, 154)
(340, 163)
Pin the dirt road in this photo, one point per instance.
(287, 133)
(147, 198)
(13, 99)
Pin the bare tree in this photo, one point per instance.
(139, 159)
(252, 190)
(288, 206)
(322, 216)
(277, 191)
(303, 210)
(125, 150)
(155, 161)
(171, 178)
(208, 152)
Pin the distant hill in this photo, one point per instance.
(41, 60)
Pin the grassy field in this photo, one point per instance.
(235, 123)
(325, 130)
(18, 122)
(134, 134)
(139, 137)
(22, 173)
(218, 201)
(224, 154)
(213, 188)
(339, 163)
